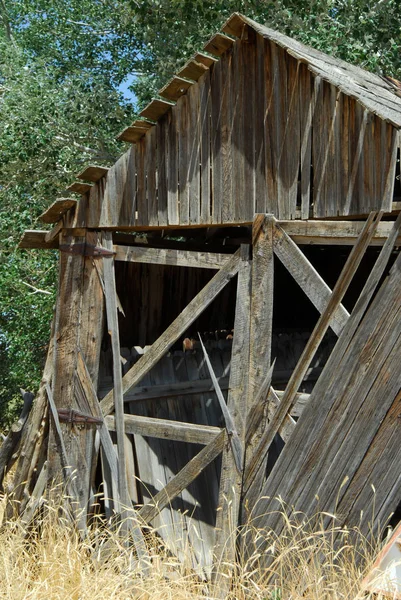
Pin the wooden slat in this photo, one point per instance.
(307, 277)
(218, 44)
(177, 328)
(183, 158)
(194, 154)
(192, 70)
(142, 209)
(79, 188)
(259, 132)
(57, 209)
(156, 109)
(306, 109)
(182, 480)
(161, 256)
(216, 87)
(175, 88)
(204, 116)
(93, 173)
(316, 337)
(160, 151)
(37, 240)
(171, 159)
(204, 59)
(230, 479)
(150, 168)
(166, 429)
(54, 232)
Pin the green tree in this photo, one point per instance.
(61, 65)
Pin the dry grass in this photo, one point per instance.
(51, 561)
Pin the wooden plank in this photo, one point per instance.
(113, 195)
(117, 393)
(9, 444)
(218, 44)
(93, 173)
(171, 159)
(142, 215)
(260, 328)
(333, 232)
(161, 256)
(32, 239)
(216, 87)
(183, 158)
(177, 328)
(192, 70)
(150, 392)
(306, 110)
(79, 188)
(54, 232)
(57, 209)
(307, 277)
(316, 337)
(204, 116)
(166, 429)
(162, 201)
(187, 474)
(151, 159)
(156, 109)
(194, 154)
(259, 131)
(175, 88)
(247, 76)
(230, 479)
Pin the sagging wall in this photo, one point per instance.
(257, 133)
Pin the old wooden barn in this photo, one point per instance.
(227, 327)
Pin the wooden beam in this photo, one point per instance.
(131, 134)
(54, 232)
(256, 462)
(235, 25)
(166, 429)
(34, 240)
(175, 88)
(79, 188)
(218, 44)
(333, 232)
(180, 258)
(182, 480)
(306, 276)
(230, 479)
(156, 109)
(93, 173)
(176, 329)
(205, 59)
(261, 333)
(57, 209)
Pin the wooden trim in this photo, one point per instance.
(177, 328)
(162, 256)
(182, 480)
(178, 431)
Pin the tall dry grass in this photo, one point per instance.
(51, 561)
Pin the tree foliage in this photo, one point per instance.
(61, 65)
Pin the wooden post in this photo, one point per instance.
(230, 478)
(261, 333)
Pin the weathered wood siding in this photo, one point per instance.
(258, 132)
